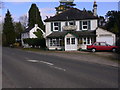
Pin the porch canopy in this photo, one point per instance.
(78, 34)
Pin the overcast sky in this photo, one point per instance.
(18, 9)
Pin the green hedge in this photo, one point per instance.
(35, 42)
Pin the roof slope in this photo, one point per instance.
(27, 29)
(71, 14)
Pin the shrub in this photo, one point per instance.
(35, 42)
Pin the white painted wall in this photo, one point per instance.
(105, 36)
(32, 35)
(94, 24)
(47, 28)
(62, 24)
(78, 25)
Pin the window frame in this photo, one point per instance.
(68, 41)
(72, 41)
(56, 41)
(54, 26)
(83, 25)
(85, 41)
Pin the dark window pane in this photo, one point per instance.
(84, 27)
(56, 28)
(56, 24)
(73, 40)
(71, 23)
(84, 22)
(68, 40)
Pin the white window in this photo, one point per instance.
(55, 42)
(72, 40)
(68, 41)
(85, 25)
(87, 41)
(56, 26)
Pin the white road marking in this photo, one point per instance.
(47, 63)
(59, 68)
(33, 60)
(41, 62)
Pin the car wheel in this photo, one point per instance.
(93, 50)
(114, 49)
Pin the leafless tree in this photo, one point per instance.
(24, 20)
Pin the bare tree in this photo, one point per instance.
(24, 20)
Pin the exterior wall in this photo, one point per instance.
(48, 28)
(32, 35)
(55, 47)
(25, 35)
(62, 24)
(78, 25)
(47, 42)
(105, 36)
(94, 24)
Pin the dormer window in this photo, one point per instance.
(85, 25)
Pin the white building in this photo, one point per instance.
(29, 33)
(74, 29)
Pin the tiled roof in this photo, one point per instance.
(76, 33)
(71, 14)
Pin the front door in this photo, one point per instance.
(70, 44)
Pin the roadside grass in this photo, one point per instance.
(33, 49)
(113, 57)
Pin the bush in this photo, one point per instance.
(35, 42)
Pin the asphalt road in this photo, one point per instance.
(23, 69)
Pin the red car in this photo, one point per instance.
(101, 46)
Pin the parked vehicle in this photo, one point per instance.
(98, 46)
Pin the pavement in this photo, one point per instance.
(25, 69)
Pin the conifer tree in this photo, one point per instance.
(34, 17)
(18, 29)
(8, 30)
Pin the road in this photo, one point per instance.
(23, 69)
